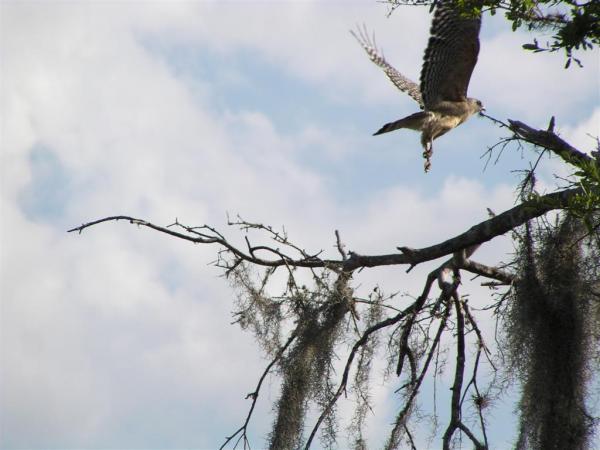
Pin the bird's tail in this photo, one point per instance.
(414, 122)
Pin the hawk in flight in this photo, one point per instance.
(448, 63)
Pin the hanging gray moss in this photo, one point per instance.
(550, 329)
(306, 372)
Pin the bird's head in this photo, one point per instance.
(476, 106)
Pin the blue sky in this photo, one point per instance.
(120, 338)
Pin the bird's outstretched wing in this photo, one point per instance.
(399, 80)
(450, 56)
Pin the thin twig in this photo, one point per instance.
(254, 394)
(362, 341)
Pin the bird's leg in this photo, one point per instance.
(427, 155)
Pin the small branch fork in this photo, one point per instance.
(456, 403)
(448, 277)
(448, 290)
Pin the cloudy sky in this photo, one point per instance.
(121, 338)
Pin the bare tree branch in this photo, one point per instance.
(548, 140)
(254, 395)
(477, 234)
(400, 422)
(502, 276)
(456, 410)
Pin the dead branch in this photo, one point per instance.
(502, 276)
(549, 140)
(456, 410)
(400, 422)
(477, 234)
(479, 400)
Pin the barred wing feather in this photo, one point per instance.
(450, 56)
(400, 81)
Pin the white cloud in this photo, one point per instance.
(532, 87)
(584, 136)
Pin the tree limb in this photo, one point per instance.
(477, 234)
(549, 140)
